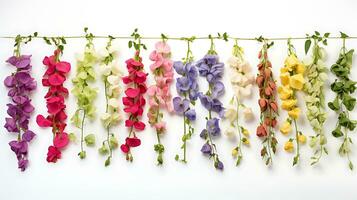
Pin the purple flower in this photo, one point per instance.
(9, 81)
(183, 85)
(217, 90)
(191, 114)
(28, 136)
(217, 107)
(218, 165)
(18, 147)
(22, 164)
(203, 134)
(206, 149)
(212, 127)
(210, 68)
(180, 106)
(21, 84)
(205, 100)
(10, 125)
(21, 62)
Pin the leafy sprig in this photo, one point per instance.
(344, 87)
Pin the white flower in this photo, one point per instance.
(103, 53)
(113, 79)
(245, 91)
(245, 67)
(236, 78)
(114, 91)
(233, 61)
(230, 132)
(248, 114)
(113, 102)
(105, 70)
(231, 114)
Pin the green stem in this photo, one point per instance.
(297, 141)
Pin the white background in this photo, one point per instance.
(88, 179)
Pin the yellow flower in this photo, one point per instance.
(297, 81)
(294, 113)
(245, 132)
(300, 69)
(289, 146)
(288, 104)
(235, 152)
(291, 61)
(285, 92)
(284, 78)
(302, 138)
(245, 141)
(284, 69)
(285, 128)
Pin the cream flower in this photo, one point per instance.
(230, 132)
(248, 114)
(231, 114)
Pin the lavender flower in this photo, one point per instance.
(187, 88)
(210, 68)
(20, 85)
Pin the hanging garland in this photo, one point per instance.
(134, 100)
(21, 84)
(292, 80)
(343, 103)
(210, 68)
(111, 76)
(267, 104)
(315, 97)
(242, 80)
(54, 78)
(159, 93)
(186, 87)
(84, 93)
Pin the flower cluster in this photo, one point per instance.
(344, 87)
(210, 68)
(111, 76)
(134, 100)
(242, 81)
(20, 84)
(187, 87)
(314, 98)
(84, 93)
(292, 80)
(54, 78)
(159, 94)
(267, 104)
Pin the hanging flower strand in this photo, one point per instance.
(210, 68)
(54, 78)
(159, 93)
(314, 90)
(134, 100)
(186, 87)
(267, 104)
(242, 81)
(292, 80)
(21, 84)
(111, 76)
(84, 93)
(343, 103)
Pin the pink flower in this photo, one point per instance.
(162, 47)
(61, 140)
(53, 154)
(160, 127)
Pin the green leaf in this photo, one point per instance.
(307, 45)
(177, 157)
(343, 35)
(350, 165)
(107, 162)
(90, 140)
(337, 132)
